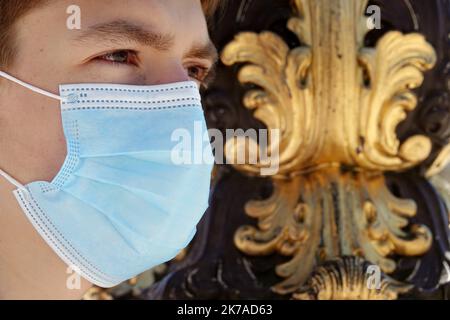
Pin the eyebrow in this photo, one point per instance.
(204, 51)
(123, 31)
(119, 31)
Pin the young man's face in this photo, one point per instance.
(126, 42)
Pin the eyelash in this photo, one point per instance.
(202, 72)
(107, 57)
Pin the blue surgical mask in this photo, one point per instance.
(119, 205)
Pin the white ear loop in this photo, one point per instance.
(13, 181)
(31, 87)
(37, 90)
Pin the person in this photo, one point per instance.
(48, 220)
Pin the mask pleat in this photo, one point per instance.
(83, 236)
(134, 215)
(132, 131)
(153, 201)
(151, 179)
(154, 157)
(119, 227)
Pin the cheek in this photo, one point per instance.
(32, 136)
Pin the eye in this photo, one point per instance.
(198, 73)
(120, 57)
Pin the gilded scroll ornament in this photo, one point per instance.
(337, 105)
(328, 214)
(349, 278)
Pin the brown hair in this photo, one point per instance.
(13, 10)
(210, 6)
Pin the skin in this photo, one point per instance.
(32, 142)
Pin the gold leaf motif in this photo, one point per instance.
(327, 214)
(344, 120)
(337, 105)
(393, 68)
(347, 278)
(282, 74)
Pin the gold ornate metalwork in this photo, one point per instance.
(328, 214)
(337, 105)
(343, 107)
(348, 278)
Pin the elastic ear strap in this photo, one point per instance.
(12, 180)
(29, 86)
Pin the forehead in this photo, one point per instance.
(184, 20)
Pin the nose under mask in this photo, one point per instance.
(119, 204)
